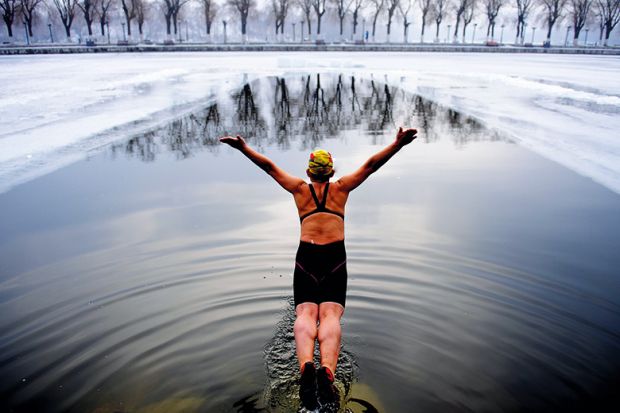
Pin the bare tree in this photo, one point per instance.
(391, 7)
(426, 6)
(579, 10)
(210, 8)
(89, 9)
(171, 9)
(357, 7)
(141, 7)
(175, 14)
(9, 7)
(378, 8)
(102, 12)
(553, 11)
(342, 8)
(460, 8)
(283, 6)
(491, 7)
(468, 16)
(27, 8)
(168, 9)
(319, 9)
(404, 7)
(523, 11)
(66, 10)
(306, 9)
(129, 10)
(274, 8)
(610, 16)
(440, 8)
(243, 8)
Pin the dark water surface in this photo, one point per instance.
(156, 276)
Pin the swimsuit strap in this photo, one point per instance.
(316, 199)
(324, 203)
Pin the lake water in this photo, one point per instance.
(156, 276)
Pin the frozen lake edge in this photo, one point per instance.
(563, 107)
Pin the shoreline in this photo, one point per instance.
(8, 50)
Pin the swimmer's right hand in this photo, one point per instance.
(238, 142)
(405, 137)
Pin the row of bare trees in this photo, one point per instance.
(578, 13)
(308, 109)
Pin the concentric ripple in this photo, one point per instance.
(481, 276)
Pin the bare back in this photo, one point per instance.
(321, 227)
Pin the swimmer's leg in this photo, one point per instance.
(306, 331)
(330, 333)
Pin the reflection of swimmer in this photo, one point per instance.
(320, 279)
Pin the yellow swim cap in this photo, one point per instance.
(320, 163)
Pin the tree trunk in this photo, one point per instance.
(128, 27)
(374, 26)
(168, 25)
(102, 25)
(67, 30)
(318, 25)
(9, 27)
(437, 32)
(608, 30)
(341, 27)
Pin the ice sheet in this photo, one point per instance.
(57, 109)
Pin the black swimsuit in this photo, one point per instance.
(320, 270)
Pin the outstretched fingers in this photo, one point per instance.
(406, 136)
(236, 142)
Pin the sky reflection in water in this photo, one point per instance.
(156, 274)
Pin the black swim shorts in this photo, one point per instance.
(320, 273)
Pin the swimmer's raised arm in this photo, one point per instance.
(352, 181)
(287, 181)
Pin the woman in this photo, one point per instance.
(320, 278)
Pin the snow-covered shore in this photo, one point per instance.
(55, 109)
(305, 47)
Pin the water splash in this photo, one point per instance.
(282, 388)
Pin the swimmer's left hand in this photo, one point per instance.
(237, 142)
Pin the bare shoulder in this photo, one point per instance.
(341, 187)
(343, 184)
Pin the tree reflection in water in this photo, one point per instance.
(276, 111)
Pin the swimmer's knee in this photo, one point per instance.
(330, 310)
(309, 310)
